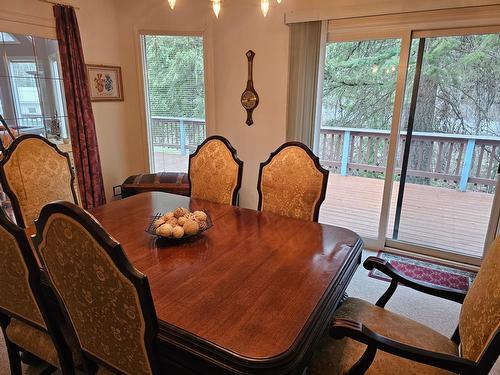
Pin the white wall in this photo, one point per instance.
(240, 28)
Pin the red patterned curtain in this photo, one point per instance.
(80, 116)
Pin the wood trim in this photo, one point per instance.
(51, 314)
(16, 207)
(317, 163)
(234, 154)
(395, 25)
(479, 30)
(27, 24)
(345, 9)
(115, 252)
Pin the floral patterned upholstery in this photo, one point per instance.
(213, 173)
(338, 356)
(291, 184)
(37, 174)
(103, 305)
(33, 340)
(480, 314)
(15, 291)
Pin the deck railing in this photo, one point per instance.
(461, 160)
(178, 134)
(449, 158)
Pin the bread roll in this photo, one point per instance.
(191, 227)
(178, 232)
(159, 222)
(200, 215)
(169, 215)
(164, 230)
(180, 211)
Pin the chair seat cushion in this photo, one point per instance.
(338, 356)
(33, 340)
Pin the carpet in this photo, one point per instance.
(426, 271)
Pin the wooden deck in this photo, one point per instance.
(438, 217)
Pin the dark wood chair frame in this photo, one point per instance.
(236, 191)
(16, 207)
(116, 253)
(50, 315)
(342, 327)
(311, 154)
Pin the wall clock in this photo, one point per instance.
(250, 98)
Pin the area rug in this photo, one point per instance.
(426, 271)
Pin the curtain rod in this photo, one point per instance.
(58, 3)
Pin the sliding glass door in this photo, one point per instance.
(450, 145)
(410, 130)
(358, 100)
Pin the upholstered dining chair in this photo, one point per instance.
(107, 300)
(215, 171)
(292, 182)
(27, 322)
(33, 173)
(370, 339)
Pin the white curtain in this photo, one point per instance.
(305, 52)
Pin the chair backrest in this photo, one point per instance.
(20, 295)
(215, 171)
(106, 299)
(35, 172)
(292, 182)
(480, 315)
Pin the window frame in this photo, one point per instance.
(141, 31)
(356, 30)
(42, 94)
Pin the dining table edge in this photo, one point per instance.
(285, 362)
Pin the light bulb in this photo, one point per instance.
(264, 5)
(171, 3)
(279, 1)
(216, 7)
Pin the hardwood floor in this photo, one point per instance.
(431, 216)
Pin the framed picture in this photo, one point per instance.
(105, 82)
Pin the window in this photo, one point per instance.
(358, 98)
(175, 99)
(31, 91)
(416, 115)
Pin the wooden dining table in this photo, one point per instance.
(251, 295)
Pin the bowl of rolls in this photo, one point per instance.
(179, 224)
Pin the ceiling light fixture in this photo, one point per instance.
(216, 7)
(264, 5)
